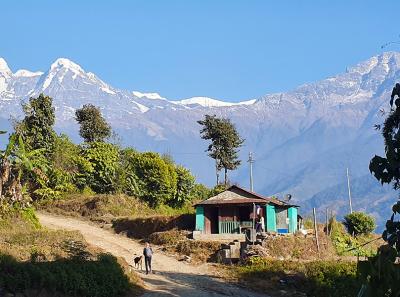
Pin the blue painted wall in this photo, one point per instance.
(200, 218)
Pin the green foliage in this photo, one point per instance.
(200, 192)
(217, 189)
(386, 170)
(99, 165)
(36, 128)
(346, 245)
(157, 179)
(358, 223)
(225, 142)
(93, 127)
(103, 277)
(28, 214)
(184, 186)
(317, 278)
(381, 273)
(47, 167)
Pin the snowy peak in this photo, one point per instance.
(27, 73)
(154, 96)
(4, 67)
(386, 60)
(210, 102)
(65, 63)
(61, 69)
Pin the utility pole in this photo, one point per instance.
(348, 187)
(251, 161)
(316, 229)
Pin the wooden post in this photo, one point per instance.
(254, 221)
(327, 222)
(332, 216)
(315, 228)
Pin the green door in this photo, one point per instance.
(270, 222)
(200, 218)
(292, 215)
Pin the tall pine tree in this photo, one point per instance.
(225, 143)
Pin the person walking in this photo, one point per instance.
(148, 254)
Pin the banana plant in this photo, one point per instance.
(17, 165)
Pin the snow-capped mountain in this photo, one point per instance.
(303, 140)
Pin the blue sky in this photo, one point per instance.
(230, 50)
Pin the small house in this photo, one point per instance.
(235, 209)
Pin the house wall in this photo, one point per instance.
(270, 222)
(200, 223)
(292, 215)
(227, 213)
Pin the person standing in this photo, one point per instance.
(262, 224)
(148, 254)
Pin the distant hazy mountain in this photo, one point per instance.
(303, 140)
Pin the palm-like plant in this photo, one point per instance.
(17, 166)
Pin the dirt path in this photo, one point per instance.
(171, 278)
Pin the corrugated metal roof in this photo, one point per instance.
(238, 195)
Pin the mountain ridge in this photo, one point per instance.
(302, 139)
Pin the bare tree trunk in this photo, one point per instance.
(216, 172)
(226, 175)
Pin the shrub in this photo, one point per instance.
(103, 164)
(358, 223)
(346, 245)
(316, 278)
(102, 277)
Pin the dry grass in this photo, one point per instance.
(22, 240)
(101, 208)
(299, 247)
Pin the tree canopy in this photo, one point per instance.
(36, 128)
(93, 127)
(359, 223)
(225, 143)
(381, 273)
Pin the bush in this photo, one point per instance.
(102, 277)
(316, 278)
(103, 164)
(358, 223)
(347, 245)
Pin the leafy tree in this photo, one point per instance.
(128, 181)
(157, 178)
(387, 170)
(184, 186)
(218, 189)
(93, 127)
(99, 166)
(225, 143)
(199, 192)
(16, 163)
(36, 128)
(359, 223)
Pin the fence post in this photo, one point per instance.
(316, 228)
(327, 222)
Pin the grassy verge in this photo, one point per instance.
(35, 260)
(107, 207)
(293, 278)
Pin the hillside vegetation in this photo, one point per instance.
(39, 262)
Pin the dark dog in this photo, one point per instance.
(138, 261)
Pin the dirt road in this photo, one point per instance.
(171, 278)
